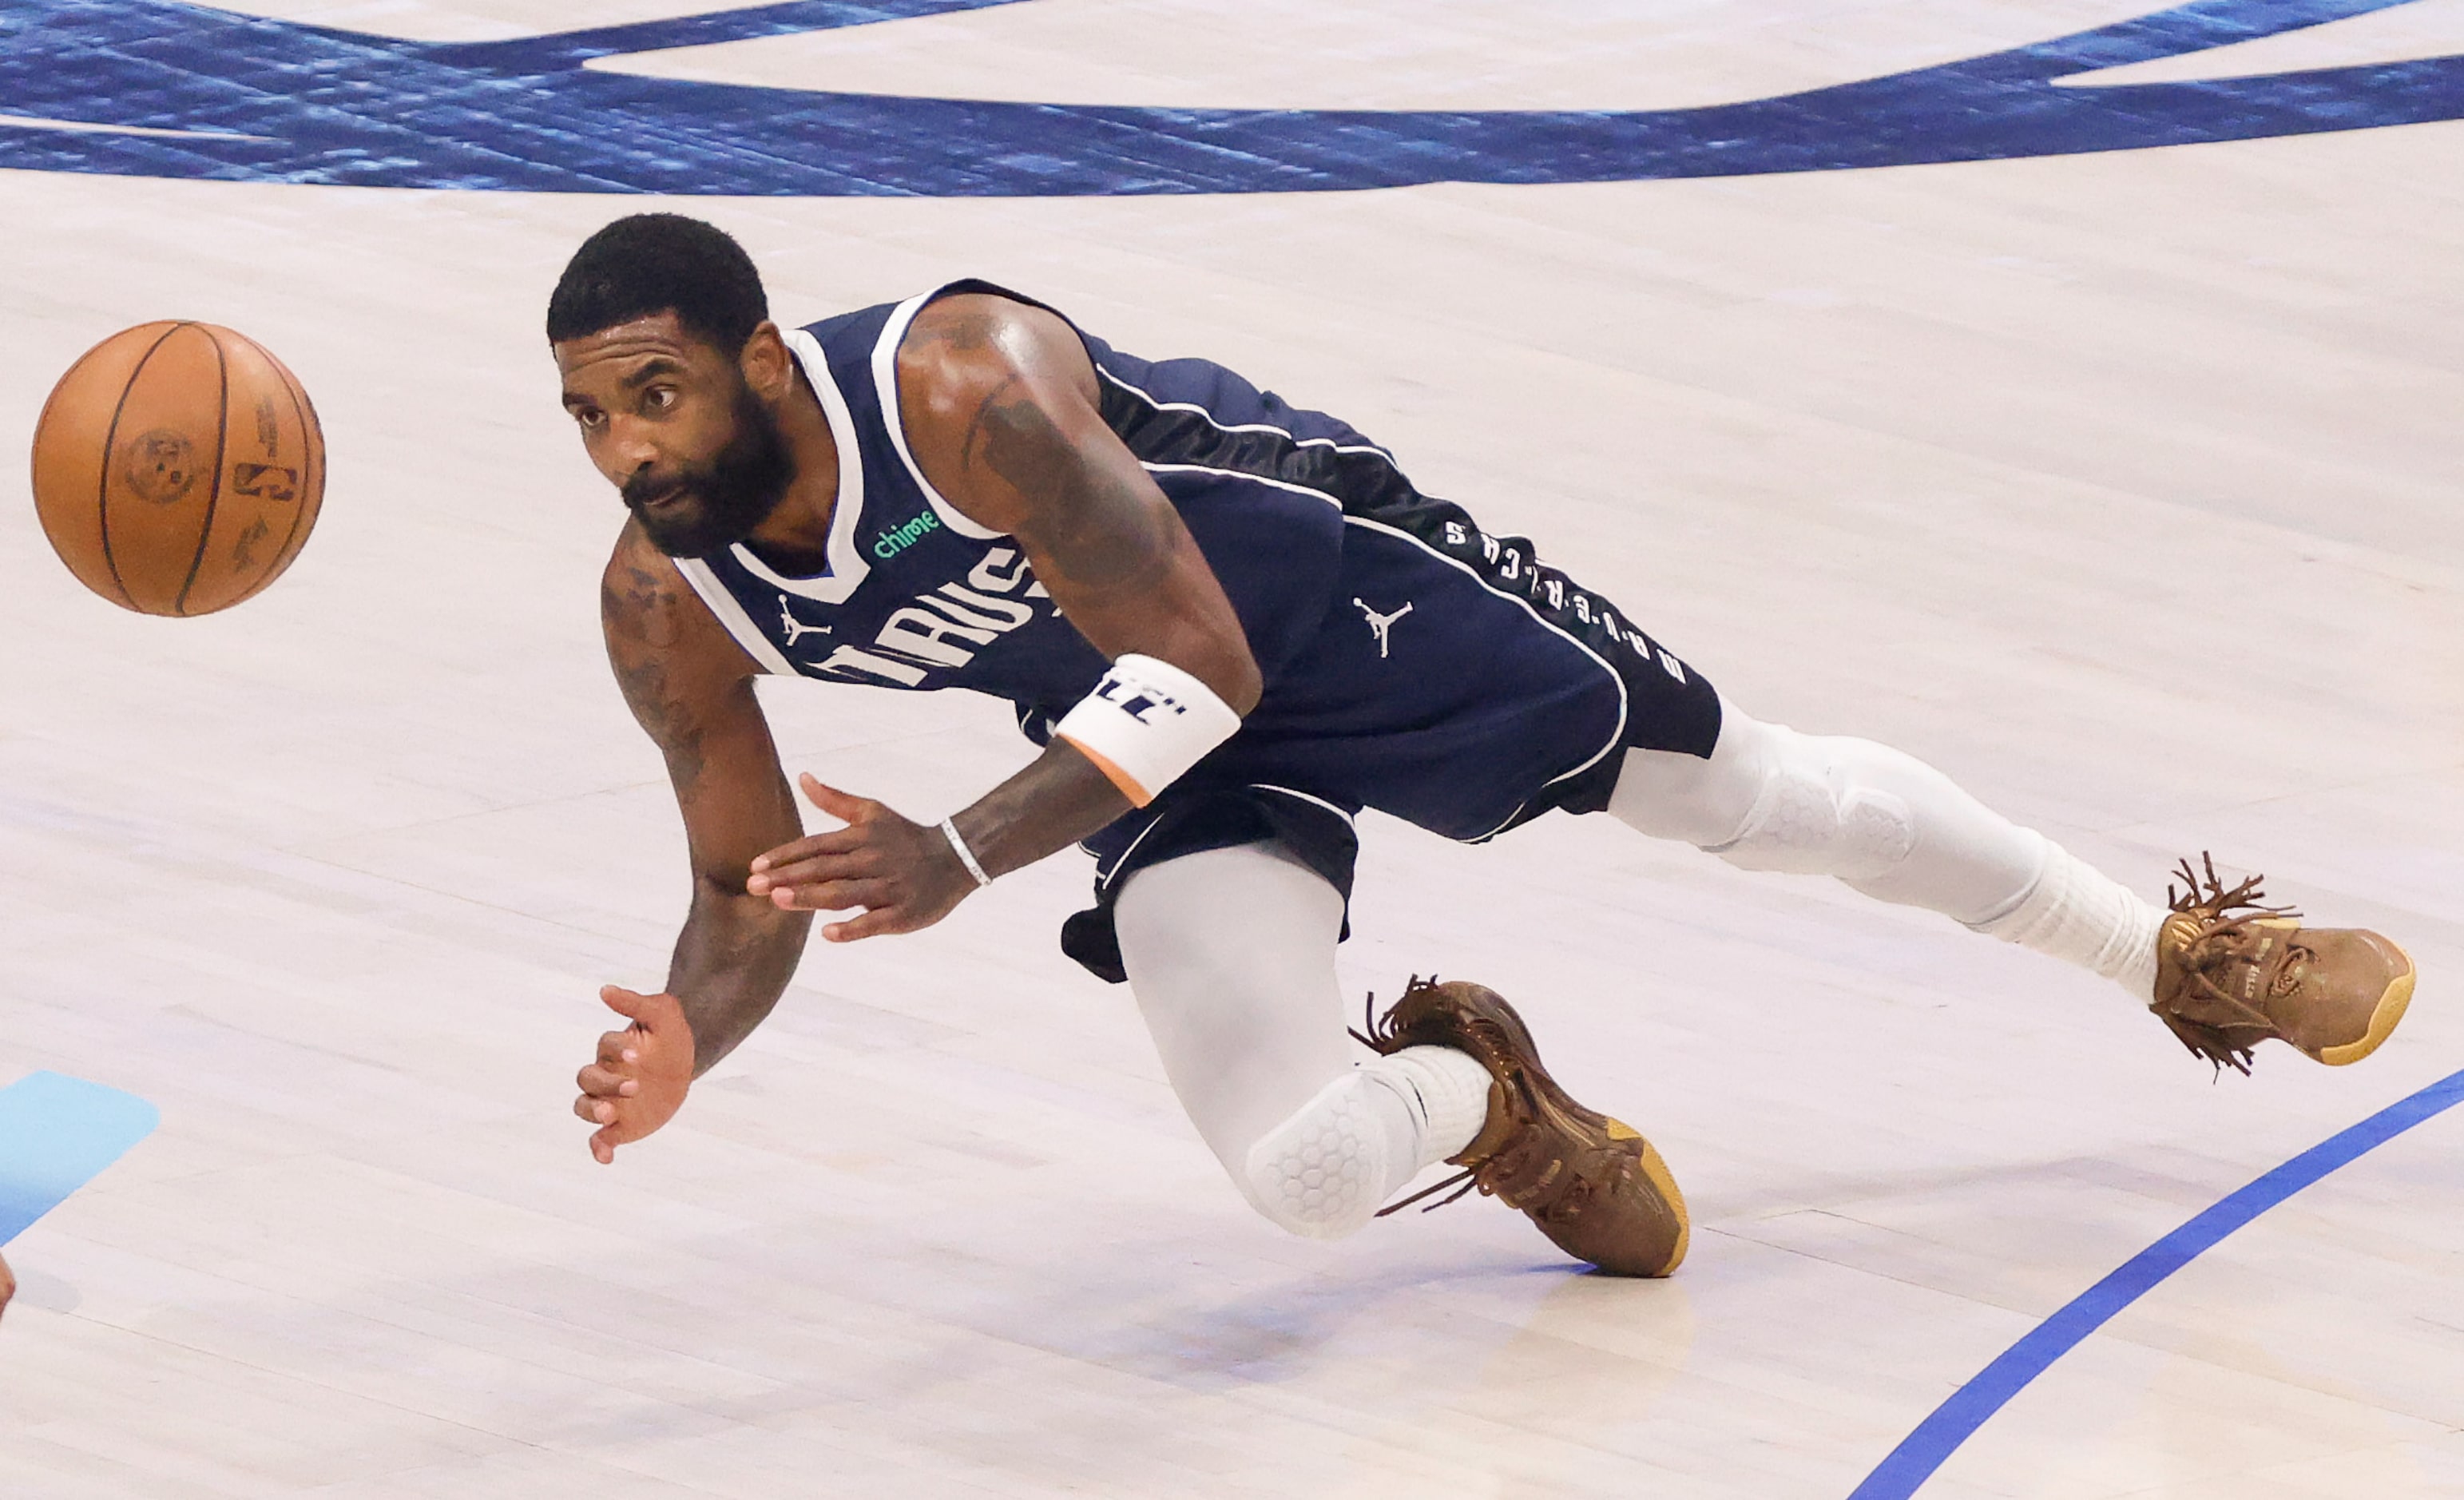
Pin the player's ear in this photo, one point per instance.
(767, 365)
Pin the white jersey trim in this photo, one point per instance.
(725, 607)
(1123, 862)
(847, 564)
(894, 418)
(1246, 426)
(1242, 474)
(1293, 791)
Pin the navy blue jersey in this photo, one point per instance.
(1410, 662)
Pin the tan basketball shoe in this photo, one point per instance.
(1589, 1183)
(2232, 973)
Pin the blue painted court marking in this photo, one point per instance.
(153, 88)
(1936, 1438)
(57, 1133)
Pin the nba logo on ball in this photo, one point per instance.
(178, 467)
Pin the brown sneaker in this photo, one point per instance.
(1592, 1183)
(2231, 973)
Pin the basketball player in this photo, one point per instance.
(1231, 624)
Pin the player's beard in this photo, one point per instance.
(735, 490)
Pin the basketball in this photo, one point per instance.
(178, 467)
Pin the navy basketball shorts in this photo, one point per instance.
(1454, 681)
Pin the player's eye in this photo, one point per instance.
(659, 398)
(591, 419)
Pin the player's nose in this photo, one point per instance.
(629, 451)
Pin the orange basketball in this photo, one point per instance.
(178, 467)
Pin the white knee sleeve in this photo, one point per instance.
(1769, 798)
(1815, 815)
(1323, 1171)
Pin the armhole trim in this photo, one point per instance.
(893, 417)
(729, 610)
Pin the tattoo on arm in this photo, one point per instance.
(639, 612)
(693, 697)
(1102, 532)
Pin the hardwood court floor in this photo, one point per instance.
(2122, 487)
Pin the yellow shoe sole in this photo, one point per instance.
(1656, 1172)
(2391, 1009)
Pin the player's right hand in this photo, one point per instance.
(639, 1080)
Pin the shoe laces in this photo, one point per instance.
(2224, 936)
(1516, 1157)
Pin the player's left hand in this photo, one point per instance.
(8, 1286)
(638, 1081)
(902, 874)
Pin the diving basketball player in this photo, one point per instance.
(1231, 624)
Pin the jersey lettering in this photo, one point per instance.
(987, 576)
(924, 635)
(969, 607)
(944, 628)
(847, 658)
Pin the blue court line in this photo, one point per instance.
(164, 89)
(57, 1133)
(1939, 1436)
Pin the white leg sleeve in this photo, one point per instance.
(1231, 955)
(1323, 1171)
(1893, 828)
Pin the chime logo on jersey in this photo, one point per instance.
(945, 627)
(899, 539)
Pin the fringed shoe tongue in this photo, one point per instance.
(2232, 972)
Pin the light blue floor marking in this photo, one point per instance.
(1913, 1461)
(58, 1133)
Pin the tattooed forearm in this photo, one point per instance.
(732, 962)
(639, 616)
(690, 686)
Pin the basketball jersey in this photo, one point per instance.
(919, 597)
(1409, 662)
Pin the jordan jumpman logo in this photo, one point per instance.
(797, 630)
(1380, 624)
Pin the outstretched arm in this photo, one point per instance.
(1003, 412)
(691, 687)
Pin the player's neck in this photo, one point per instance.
(799, 531)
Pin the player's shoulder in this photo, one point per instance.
(965, 344)
(972, 315)
(639, 578)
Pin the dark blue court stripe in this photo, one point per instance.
(214, 95)
(1923, 1452)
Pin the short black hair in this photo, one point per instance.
(649, 263)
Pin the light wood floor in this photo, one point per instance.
(2123, 488)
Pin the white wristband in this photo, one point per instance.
(966, 855)
(1145, 724)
